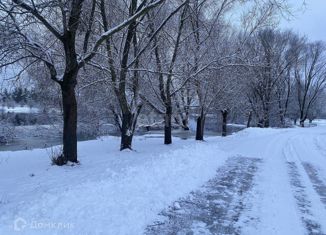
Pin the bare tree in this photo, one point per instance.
(127, 67)
(271, 80)
(58, 24)
(165, 71)
(310, 76)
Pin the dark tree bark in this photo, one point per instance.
(182, 108)
(283, 105)
(185, 125)
(200, 127)
(69, 122)
(126, 131)
(260, 123)
(69, 102)
(282, 120)
(224, 122)
(168, 126)
(302, 118)
(281, 112)
(249, 119)
(199, 133)
(266, 117)
(302, 122)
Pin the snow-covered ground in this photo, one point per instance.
(258, 181)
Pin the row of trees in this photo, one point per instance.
(174, 57)
(289, 80)
(18, 95)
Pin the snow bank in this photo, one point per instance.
(111, 192)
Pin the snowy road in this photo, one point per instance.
(287, 200)
(281, 191)
(215, 208)
(257, 181)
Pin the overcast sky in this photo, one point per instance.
(309, 20)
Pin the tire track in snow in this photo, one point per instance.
(304, 205)
(214, 209)
(319, 146)
(318, 183)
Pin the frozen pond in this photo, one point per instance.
(31, 137)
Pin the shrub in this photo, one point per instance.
(57, 157)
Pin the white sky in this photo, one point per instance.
(309, 20)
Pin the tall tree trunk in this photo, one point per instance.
(200, 126)
(69, 104)
(249, 119)
(260, 123)
(282, 120)
(224, 122)
(185, 124)
(281, 113)
(266, 117)
(126, 131)
(128, 127)
(302, 123)
(302, 119)
(168, 125)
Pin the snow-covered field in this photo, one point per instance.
(265, 181)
